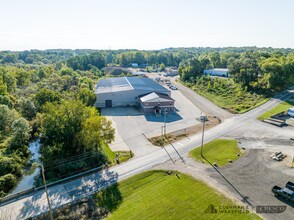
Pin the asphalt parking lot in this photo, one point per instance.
(132, 126)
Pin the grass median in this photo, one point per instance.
(220, 151)
(284, 106)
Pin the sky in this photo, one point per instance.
(145, 24)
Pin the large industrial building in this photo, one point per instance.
(145, 93)
(217, 72)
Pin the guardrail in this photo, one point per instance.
(17, 195)
(26, 192)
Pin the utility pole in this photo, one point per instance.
(46, 190)
(164, 112)
(203, 119)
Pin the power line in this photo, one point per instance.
(70, 162)
(70, 158)
(70, 173)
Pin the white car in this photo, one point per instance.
(291, 112)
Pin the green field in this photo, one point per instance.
(219, 151)
(227, 94)
(284, 106)
(159, 195)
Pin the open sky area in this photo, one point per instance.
(145, 24)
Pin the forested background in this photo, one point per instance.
(51, 93)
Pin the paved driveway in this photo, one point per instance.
(204, 104)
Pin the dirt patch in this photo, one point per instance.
(183, 133)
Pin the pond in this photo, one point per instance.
(27, 180)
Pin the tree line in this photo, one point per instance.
(85, 58)
(257, 71)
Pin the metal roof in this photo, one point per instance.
(155, 97)
(218, 69)
(118, 84)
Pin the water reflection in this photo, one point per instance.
(27, 180)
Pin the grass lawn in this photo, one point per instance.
(159, 195)
(219, 151)
(278, 109)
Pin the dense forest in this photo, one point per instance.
(53, 102)
(50, 94)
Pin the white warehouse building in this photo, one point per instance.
(129, 91)
(217, 72)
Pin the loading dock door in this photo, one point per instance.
(108, 103)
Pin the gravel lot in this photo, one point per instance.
(254, 176)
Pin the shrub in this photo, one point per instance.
(7, 182)
(9, 165)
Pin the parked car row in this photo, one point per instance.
(170, 85)
(167, 82)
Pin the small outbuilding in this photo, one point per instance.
(156, 103)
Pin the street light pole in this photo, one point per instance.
(46, 190)
(203, 119)
(164, 112)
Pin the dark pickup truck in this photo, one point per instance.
(286, 193)
(290, 186)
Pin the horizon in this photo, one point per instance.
(144, 25)
(133, 49)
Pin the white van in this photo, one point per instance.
(157, 79)
(291, 112)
